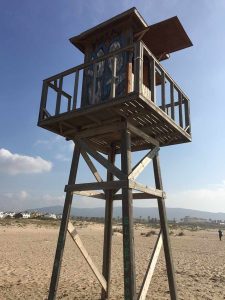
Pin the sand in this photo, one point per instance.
(27, 254)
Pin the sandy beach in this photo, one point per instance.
(27, 253)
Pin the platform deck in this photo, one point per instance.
(101, 124)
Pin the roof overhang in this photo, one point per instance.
(132, 14)
(166, 37)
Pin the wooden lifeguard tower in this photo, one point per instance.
(120, 100)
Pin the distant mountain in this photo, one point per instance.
(144, 212)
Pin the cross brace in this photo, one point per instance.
(126, 182)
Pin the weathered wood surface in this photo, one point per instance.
(165, 231)
(101, 159)
(108, 185)
(73, 233)
(63, 227)
(107, 245)
(146, 189)
(92, 194)
(142, 164)
(150, 268)
(127, 219)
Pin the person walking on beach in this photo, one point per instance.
(220, 234)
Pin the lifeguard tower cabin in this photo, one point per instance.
(120, 100)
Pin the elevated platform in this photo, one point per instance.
(101, 124)
(145, 96)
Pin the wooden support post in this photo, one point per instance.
(44, 96)
(172, 100)
(138, 67)
(59, 95)
(165, 231)
(113, 83)
(130, 83)
(163, 91)
(187, 115)
(127, 217)
(152, 79)
(75, 91)
(63, 227)
(106, 268)
(180, 100)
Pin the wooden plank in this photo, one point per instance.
(91, 166)
(146, 189)
(150, 268)
(152, 80)
(88, 64)
(100, 130)
(94, 83)
(107, 245)
(127, 219)
(59, 94)
(142, 134)
(138, 67)
(113, 169)
(55, 88)
(73, 233)
(92, 194)
(142, 164)
(69, 104)
(167, 119)
(105, 185)
(130, 84)
(136, 196)
(63, 227)
(163, 91)
(172, 100)
(113, 82)
(165, 231)
(43, 102)
(187, 115)
(162, 69)
(180, 109)
(75, 91)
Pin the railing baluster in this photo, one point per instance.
(152, 79)
(69, 104)
(113, 82)
(180, 98)
(163, 92)
(75, 91)
(94, 83)
(187, 116)
(43, 103)
(59, 94)
(130, 83)
(172, 100)
(138, 67)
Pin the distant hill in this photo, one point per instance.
(144, 212)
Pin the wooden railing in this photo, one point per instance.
(62, 92)
(165, 92)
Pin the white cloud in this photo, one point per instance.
(21, 164)
(23, 195)
(211, 198)
(53, 199)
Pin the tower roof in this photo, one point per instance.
(131, 15)
(161, 38)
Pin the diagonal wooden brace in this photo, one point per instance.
(101, 159)
(140, 166)
(73, 233)
(150, 268)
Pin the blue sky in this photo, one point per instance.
(34, 163)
